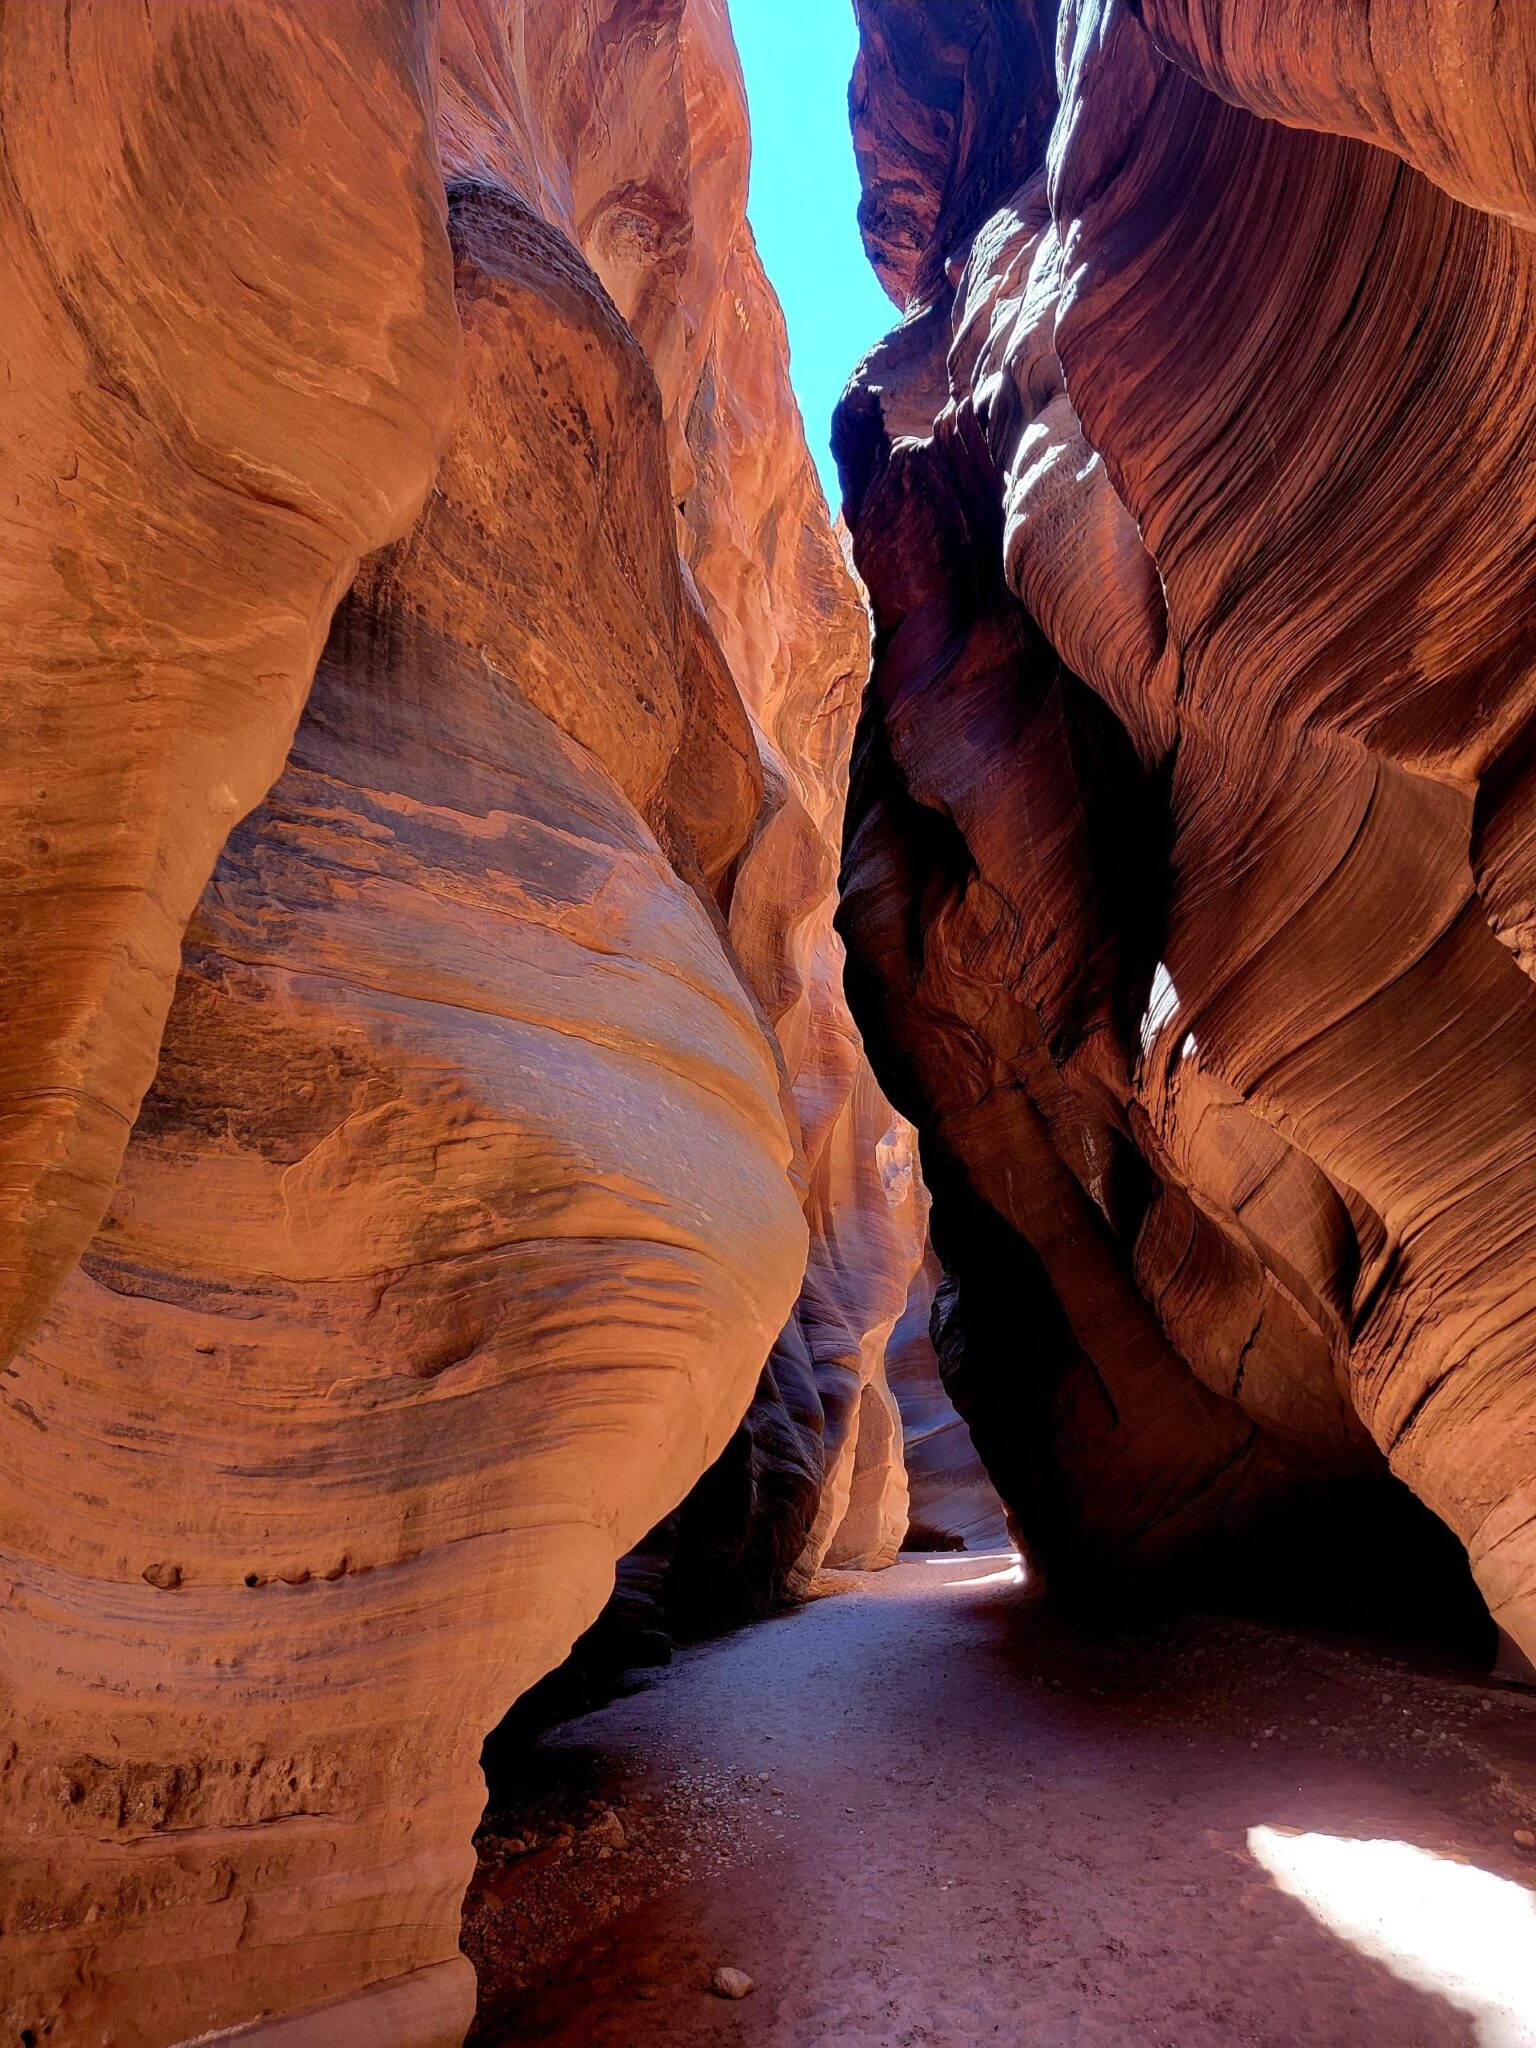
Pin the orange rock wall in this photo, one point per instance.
(484, 1034)
(174, 541)
(1189, 861)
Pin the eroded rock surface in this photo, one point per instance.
(1188, 870)
(506, 1076)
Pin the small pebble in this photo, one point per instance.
(729, 1983)
(1525, 1839)
(607, 1832)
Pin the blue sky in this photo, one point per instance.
(797, 56)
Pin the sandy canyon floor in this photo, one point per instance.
(917, 1812)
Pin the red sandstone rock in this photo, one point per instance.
(867, 1216)
(471, 1190)
(874, 1524)
(1447, 87)
(777, 590)
(346, 1352)
(1192, 500)
(175, 536)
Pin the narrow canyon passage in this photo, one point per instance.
(919, 1812)
(767, 833)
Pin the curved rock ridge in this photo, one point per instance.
(1191, 798)
(507, 1098)
(1447, 87)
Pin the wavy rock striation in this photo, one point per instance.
(505, 1076)
(175, 541)
(1188, 869)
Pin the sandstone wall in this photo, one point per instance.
(174, 539)
(479, 1030)
(1188, 870)
(953, 1505)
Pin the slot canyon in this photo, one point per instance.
(768, 1269)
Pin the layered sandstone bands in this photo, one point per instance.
(175, 541)
(1190, 806)
(494, 1070)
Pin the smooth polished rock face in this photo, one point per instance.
(493, 1081)
(1189, 871)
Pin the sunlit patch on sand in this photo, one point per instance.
(1444, 1927)
(1007, 1569)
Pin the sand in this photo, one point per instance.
(920, 1812)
